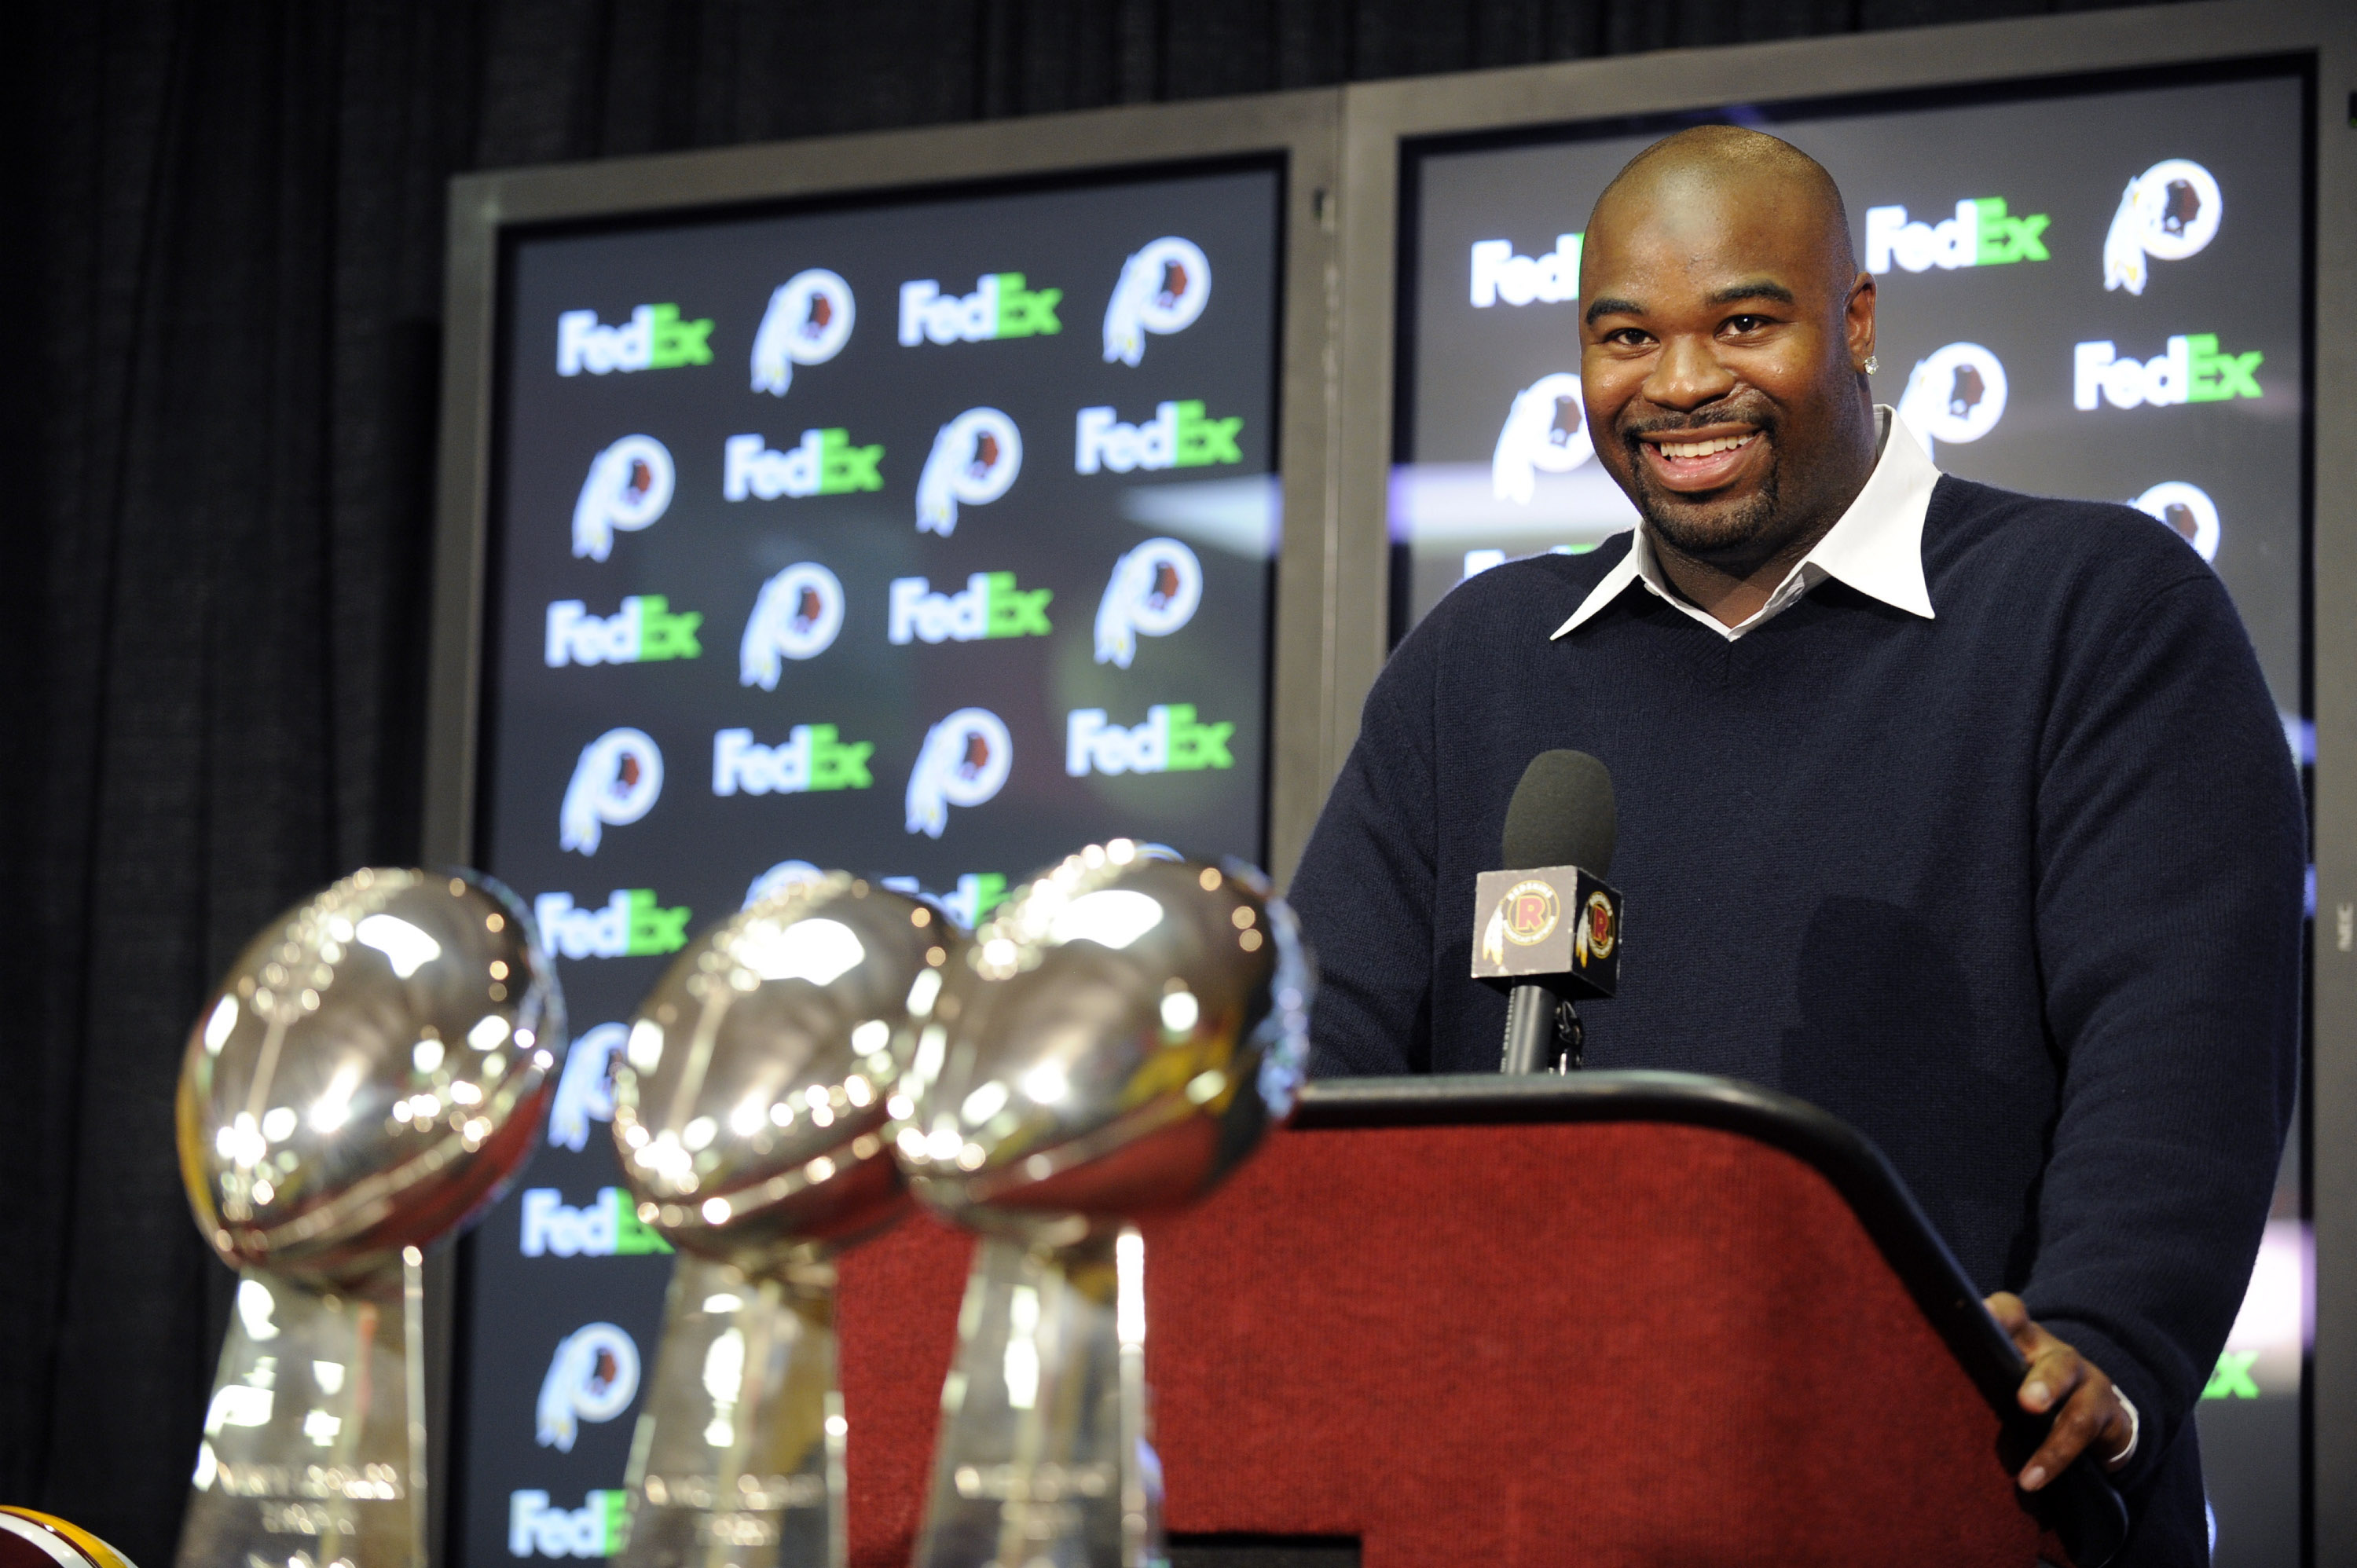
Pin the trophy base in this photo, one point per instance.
(1043, 1460)
(739, 1462)
(314, 1449)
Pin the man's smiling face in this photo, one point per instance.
(1723, 325)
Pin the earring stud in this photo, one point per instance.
(1872, 364)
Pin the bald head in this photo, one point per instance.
(1707, 165)
(1724, 333)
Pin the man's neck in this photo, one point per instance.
(1731, 596)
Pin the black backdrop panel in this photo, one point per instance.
(644, 767)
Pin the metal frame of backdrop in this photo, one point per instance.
(1312, 707)
(1335, 402)
(1378, 118)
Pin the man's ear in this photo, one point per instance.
(1858, 318)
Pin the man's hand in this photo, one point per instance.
(2092, 1410)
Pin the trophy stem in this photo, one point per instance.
(314, 1450)
(1044, 1460)
(742, 1459)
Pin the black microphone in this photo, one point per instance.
(1547, 930)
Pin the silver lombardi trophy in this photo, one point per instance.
(1115, 1040)
(369, 1073)
(749, 1113)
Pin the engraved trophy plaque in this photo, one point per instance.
(750, 1116)
(369, 1073)
(1116, 1039)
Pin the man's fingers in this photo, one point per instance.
(2091, 1413)
(2056, 1372)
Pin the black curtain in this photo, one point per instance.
(220, 383)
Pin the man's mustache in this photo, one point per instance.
(1701, 419)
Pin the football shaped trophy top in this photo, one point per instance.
(363, 1081)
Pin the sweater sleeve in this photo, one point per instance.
(2171, 861)
(1363, 889)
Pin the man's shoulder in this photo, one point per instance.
(1987, 528)
(1979, 539)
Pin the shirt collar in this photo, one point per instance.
(1875, 546)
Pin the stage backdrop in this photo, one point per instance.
(225, 267)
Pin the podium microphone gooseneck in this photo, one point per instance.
(1547, 930)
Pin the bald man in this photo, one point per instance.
(1963, 814)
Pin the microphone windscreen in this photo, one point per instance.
(1561, 814)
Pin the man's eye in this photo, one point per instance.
(1627, 337)
(1742, 323)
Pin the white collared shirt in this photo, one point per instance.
(1877, 547)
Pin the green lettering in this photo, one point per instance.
(613, 1506)
(633, 1236)
(989, 893)
(2202, 351)
(677, 343)
(1025, 313)
(2004, 238)
(654, 929)
(842, 466)
(2238, 374)
(662, 635)
(1194, 746)
(1993, 241)
(1203, 440)
(2233, 1378)
(2216, 376)
(836, 764)
(1016, 612)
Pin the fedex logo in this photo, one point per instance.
(990, 606)
(812, 758)
(823, 463)
(608, 1228)
(1981, 234)
(630, 924)
(999, 306)
(1550, 279)
(1172, 740)
(596, 1529)
(655, 339)
(977, 893)
(1179, 435)
(2192, 368)
(645, 631)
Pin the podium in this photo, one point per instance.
(1606, 1318)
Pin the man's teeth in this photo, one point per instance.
(1704, 448)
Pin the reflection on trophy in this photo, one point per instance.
(372, 1070)
(749, 1112)
(1114, 1042)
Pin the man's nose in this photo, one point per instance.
(1686, 375)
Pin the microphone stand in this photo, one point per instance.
(1542, 1032)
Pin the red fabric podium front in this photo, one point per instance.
(1615, 1323)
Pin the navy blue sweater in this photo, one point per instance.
(2015, 891)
